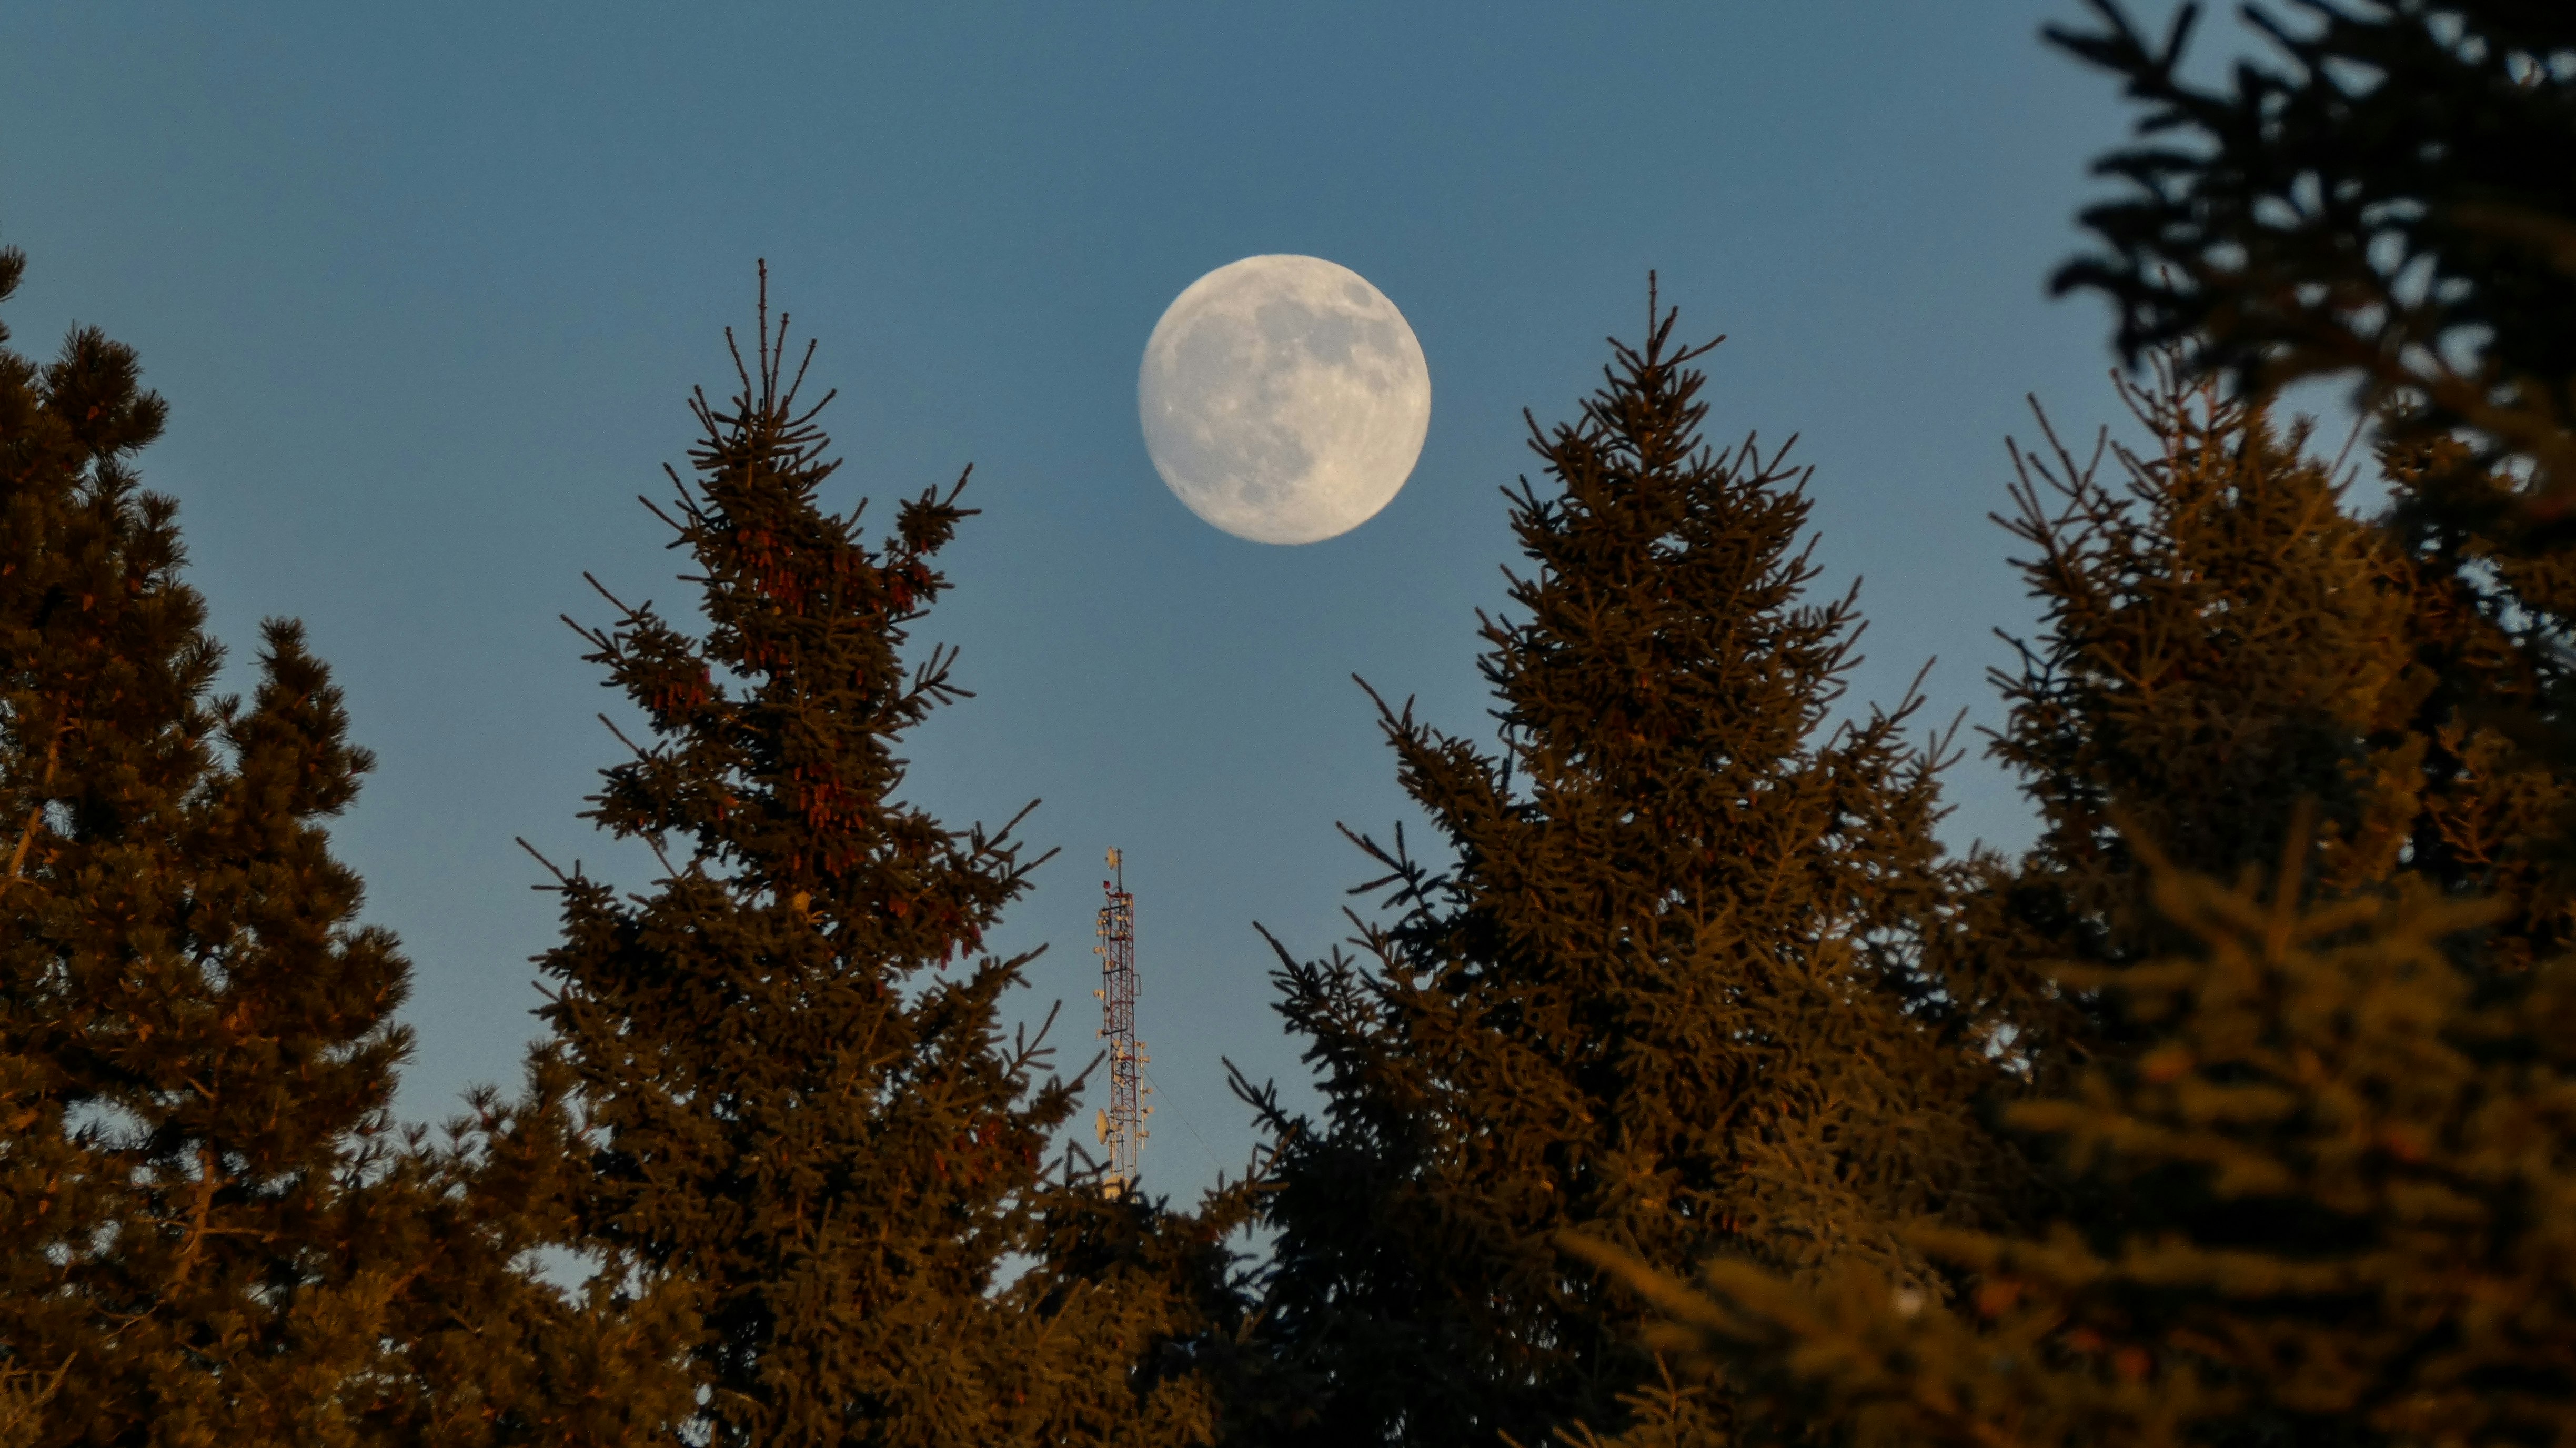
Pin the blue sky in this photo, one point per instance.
(426, 288)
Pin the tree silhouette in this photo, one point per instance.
(1670, 989)
(196, 1038)
(809, 1122)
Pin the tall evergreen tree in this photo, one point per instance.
(487, 1348)
(2358, 1176)
(196, 1046)
(809, 1122)
(2384, 197)
(2234, 662)
(1669, 990)
(2223, 639)
(2380, 199)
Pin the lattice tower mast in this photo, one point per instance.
(1122, 1126)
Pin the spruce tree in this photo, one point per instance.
(2381, 199)
(2225, 639)
(1669, 988)
(196, 1045)
(2310, 1132)
(2360, 1182)
(1146, 1310)
(488, 1347)
(2384, 198)
(2231, 661)
(809, 1125)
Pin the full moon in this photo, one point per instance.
(1284, 399)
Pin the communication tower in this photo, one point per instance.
(1122, 1125)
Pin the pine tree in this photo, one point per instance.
(2311, 1142)
(1671, 990)
(1157, 1335)
(2362, 1180)
(2384, 198)
(2231, 661)
(2223, 640)
(196, 1045)
(808, 1128)
(488, 1349)
(2380, 200)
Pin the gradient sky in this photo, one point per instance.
(426, 288)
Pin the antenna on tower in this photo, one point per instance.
(1122, 1125)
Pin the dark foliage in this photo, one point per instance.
(2225, 642)
(2386, 196)
(196, 1048)
(2365, 1182)
(810, 1128)
(2270, 1127)
(1669, 989)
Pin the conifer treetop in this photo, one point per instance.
(1662, 984)
(765, 751)
(808, 1125)
(197, 1045)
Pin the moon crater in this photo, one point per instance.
(1284, 399)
